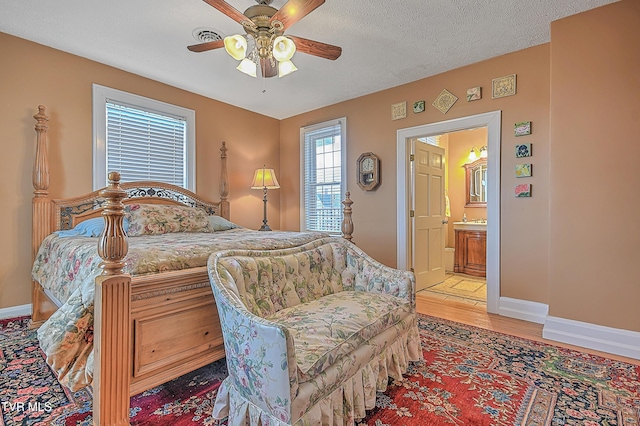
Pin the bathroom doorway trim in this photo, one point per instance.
(491, 120)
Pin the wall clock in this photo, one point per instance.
(368, 171)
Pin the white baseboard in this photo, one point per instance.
(15, 311)
(523, 309)
(600, 338)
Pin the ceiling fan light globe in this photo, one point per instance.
(283, 48)
(286, 68)
(236, 46)
(248, 67)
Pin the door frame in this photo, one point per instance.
(491, 120)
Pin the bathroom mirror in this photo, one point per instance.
(476, 182)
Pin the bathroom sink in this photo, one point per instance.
(470, 226)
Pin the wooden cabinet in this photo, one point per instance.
(471, 253)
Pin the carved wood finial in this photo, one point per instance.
(113, 245)
(347, 221)
(41, 164)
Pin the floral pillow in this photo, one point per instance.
(151, 219)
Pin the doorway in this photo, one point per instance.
(405, 252)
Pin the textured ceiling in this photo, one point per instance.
(384, 43)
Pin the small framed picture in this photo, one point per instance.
(523, 170)
(418, 107)
(474, 94)
(523, 190)
(523, 150)
(522, 129)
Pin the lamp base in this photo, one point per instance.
(264, 227)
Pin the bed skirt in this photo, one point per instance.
(343, 406)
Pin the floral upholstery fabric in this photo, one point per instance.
(152, 219)
(333, 326)
(66, 268)
(311, 333)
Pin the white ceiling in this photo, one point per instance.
(384, 43)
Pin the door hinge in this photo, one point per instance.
(411, 213)
(412, 157)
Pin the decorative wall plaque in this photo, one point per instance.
(504, 86)
(523, 170)
(444, 101)
(399, 110)
(474, 94)
(522, 129)
(523, 190)
(418, 106)
(523, 150)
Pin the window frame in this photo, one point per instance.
(342, 122)
(103, 94)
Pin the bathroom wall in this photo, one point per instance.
(459, 144)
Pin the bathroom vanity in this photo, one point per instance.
(470, 248)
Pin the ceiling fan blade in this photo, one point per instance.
(228, 10)
(203, 47)
(294, 10)
(266, 68)
(316, 48)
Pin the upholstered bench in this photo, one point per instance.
(310, 333)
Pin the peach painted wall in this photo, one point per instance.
(32, 74)
(595, 149)
(370, 128)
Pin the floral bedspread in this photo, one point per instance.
(67, 268)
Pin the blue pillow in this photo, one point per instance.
(219, 223)
(89, 228)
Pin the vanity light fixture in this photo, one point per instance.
(474, 154)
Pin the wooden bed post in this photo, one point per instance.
(41, 213)
(347, 221)
(112, 334)
(224, 183)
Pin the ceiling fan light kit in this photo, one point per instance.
(286, 68)
(264, 43)
(236, 46)
(248, 67)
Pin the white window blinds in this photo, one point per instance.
(144, 145)
(142, 139)
(323, 181)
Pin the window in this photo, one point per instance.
(323, 179)
(142, 139)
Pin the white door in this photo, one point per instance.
(428, 214)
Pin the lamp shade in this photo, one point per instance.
(283, 48)
(248, 67)
(473, 154)
(236, 46)
(286, 68)
(265, 178)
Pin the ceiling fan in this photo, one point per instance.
(264, 43)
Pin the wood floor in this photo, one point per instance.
(478, 316)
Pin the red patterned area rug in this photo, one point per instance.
(470, 376)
